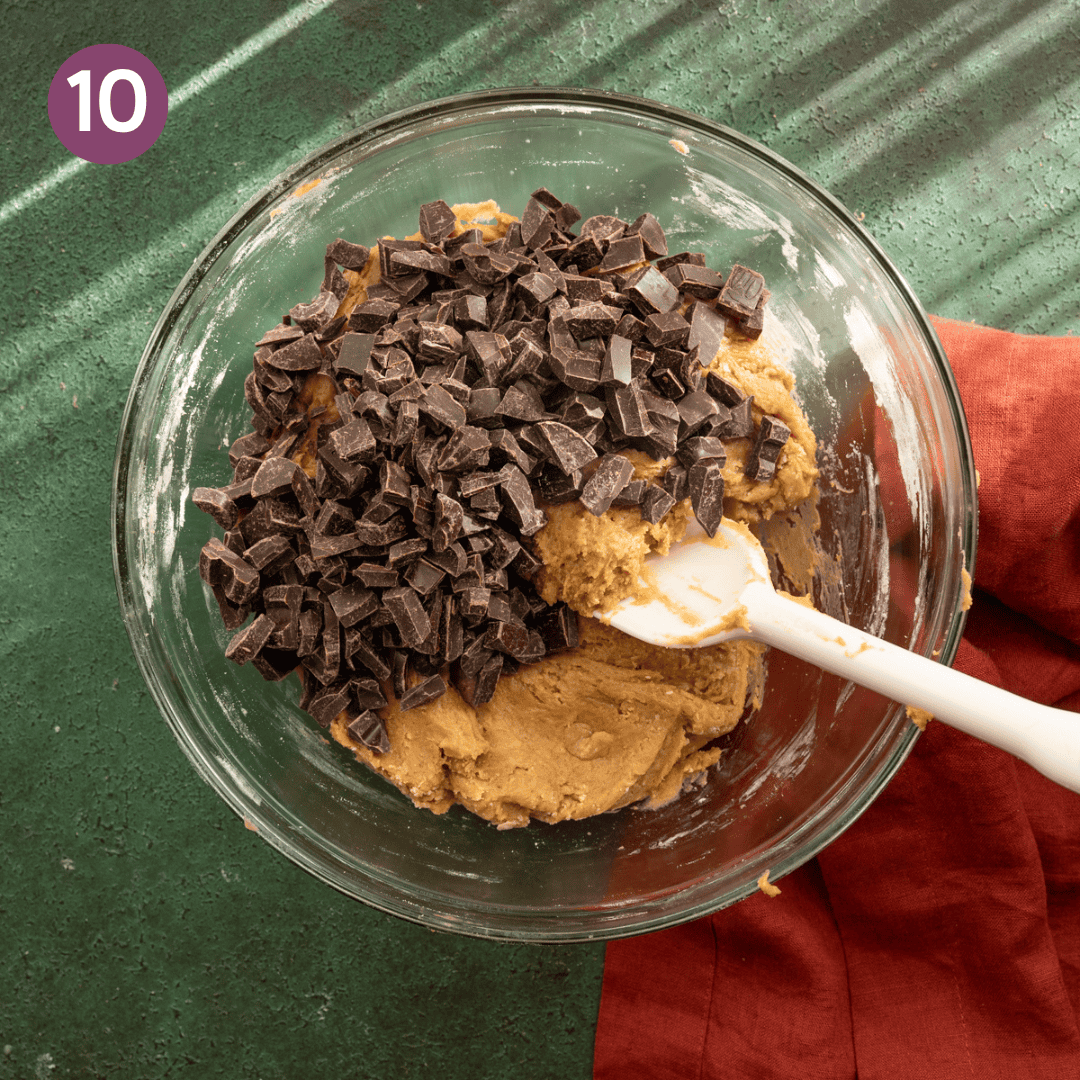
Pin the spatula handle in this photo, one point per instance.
(1047, 739)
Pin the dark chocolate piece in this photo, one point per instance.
(611, 476)
(754, 324)
(354, 355)
(675, 482)
(353, 603)
(699, 447)
(303, 354)
(655, 503)
(741, 292)
(422, 693)
(592, 319)
(706, 482)
(369, 729)
(697, 258)
(522, 401)
(467, 448)
(274, 478)
(631, 494)
(695, 411)
(409, 615)
(706, 332)
(563, 446)
(326, 704)
(351, 256)
(281, 334)
(441, 407)
(666, 328)
(245, 645)
(471, 312)
(622, 254)
(651, 292)
(697, 281)
(603, 227)
(772, 434)
(536, 224)
(217, 504)
(437, 221)
(372, 315)
(354, 442)
(518, 499)
(652, 235)
(626, 409)
(360, 649)
(270, 555)
(479, 688)
(616, 369)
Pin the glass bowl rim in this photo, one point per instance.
(287, 841)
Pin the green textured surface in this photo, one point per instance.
(145, 932)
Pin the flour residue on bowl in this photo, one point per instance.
(738, 211)
(877, 359)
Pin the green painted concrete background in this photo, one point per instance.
(143, 931)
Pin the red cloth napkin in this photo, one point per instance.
(939, 936)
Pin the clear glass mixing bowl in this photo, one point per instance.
(897, 510)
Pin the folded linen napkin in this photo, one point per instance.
(939, 936)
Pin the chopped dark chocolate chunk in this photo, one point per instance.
(706, 332)
(752, 325)
(697, 281)
(695, 411)
(591, 318)
(217, 504)
(706, 481)
(611, 475)
(652, 235)
(437, 221)
(422, 693)
(372, 315)
(280, 335)
(622, 254)
(651, 292)
(353, 603)
(409, 615)
(440, 405)
(522, 401)
(270, 555)
(354, 442)
(655, 503)
(303, 354)
(518, 499)
(423, 576)
(245, 645)
(699, 447)
(274, 477)
(631, 494)
(741, 292)
(479, 688)
(354, 354)
(626, 409)
(536, 224)
(666, 328)
(327, 703)
(369, 729)
(772, 434)
(616, 367)
(563, 446)
(351, 256)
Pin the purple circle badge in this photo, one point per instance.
(108, 104)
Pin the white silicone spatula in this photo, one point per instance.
(710, 590)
